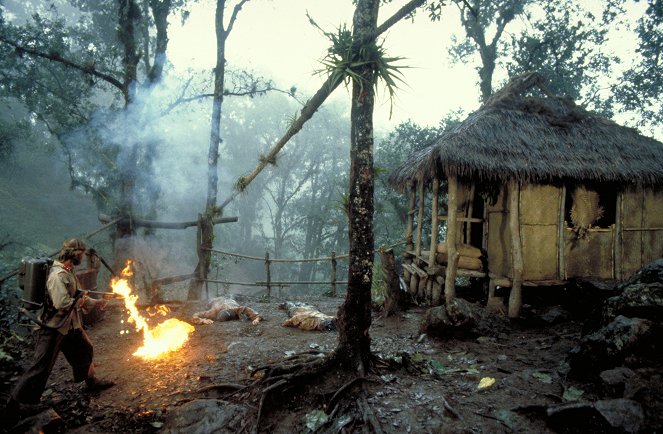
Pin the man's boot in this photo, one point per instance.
(94, 385)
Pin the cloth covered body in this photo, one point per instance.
(307, 317)
(225, 309)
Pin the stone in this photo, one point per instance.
(205, 416)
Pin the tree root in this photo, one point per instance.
(298, 365)
(262, 400)
(218, 386)
(368, 415)
(296, 370)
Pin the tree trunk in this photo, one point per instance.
(211, 210)
(354, 316)
(395, 300)
(128, 16)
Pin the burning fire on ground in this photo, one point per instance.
(167, 336)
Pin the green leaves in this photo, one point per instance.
(343, 61)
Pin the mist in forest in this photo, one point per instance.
(67, 139)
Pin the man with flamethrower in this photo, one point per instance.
(61, 330)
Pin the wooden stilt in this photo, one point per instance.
(516, 296)
(434, 290)
(410, 218)
(420, 218)
(452, 241)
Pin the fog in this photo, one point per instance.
(295, 209)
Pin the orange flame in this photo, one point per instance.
(160, 340)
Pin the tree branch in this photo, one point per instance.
(57, 58)
(313, 104)
(233, 17)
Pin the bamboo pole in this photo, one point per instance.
(617, 250)
(435, 290)
(561, 261)
(516, 296)
(410, 218)
(452, 240)
(434, 223)
(470, 210)
(420, 218)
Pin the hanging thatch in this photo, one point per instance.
(537, 139)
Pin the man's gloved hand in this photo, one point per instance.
(80, 302)
(101, 303)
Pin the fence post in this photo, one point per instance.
(269, 275)
(333, 274)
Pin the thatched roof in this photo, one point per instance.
(537, 139)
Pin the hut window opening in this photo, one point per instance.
(590, 207)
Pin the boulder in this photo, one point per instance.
(461, 318)
(204, 416)
(614, 415)
(623, 341)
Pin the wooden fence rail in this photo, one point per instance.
(268, 283)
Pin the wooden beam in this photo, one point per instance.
(164, 225)
(462, 219)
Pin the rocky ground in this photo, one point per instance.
(421, 385)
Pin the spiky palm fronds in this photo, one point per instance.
(343, 60)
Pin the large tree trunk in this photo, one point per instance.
(354, 316)
(128, 17)
(206, 227)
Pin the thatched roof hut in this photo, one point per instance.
(537, 140)
(536, 174)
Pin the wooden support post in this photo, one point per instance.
(561, 262)
(410, 218)
(617, 250)
(491, 289)
(452, 240)
(333, 274)
(516, 296)
(268, 280)
(470, 210)
(435, 290)
(420, 218)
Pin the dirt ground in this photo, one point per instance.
(426, 385)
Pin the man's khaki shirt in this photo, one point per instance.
(62, 285)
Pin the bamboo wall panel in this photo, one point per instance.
(652, 209)
(652, 243)
(590, 256)
(631, 253)
(540, 251)
(499, 242)
(539, 204)
(632, 208)
(652, 240)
